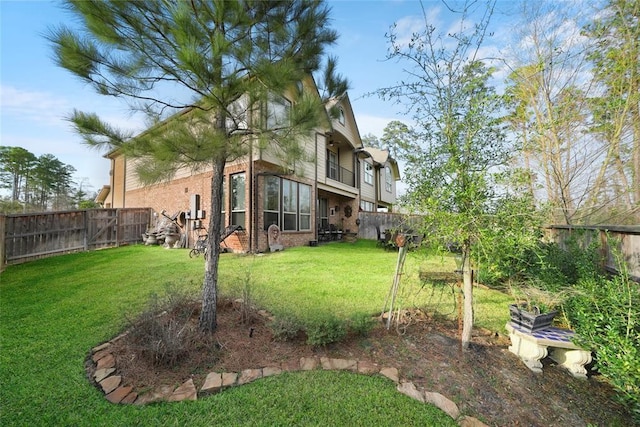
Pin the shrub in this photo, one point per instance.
(606, 317)
(361, 324)
(285, 328)
(164, 333)
(325, 329)
(544, 265)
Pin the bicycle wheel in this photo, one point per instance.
(194, 253)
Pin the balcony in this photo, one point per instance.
(340, 174)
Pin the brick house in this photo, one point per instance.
(318, 200)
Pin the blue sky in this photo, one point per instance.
(36, 95)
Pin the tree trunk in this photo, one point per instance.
(467, 292)
(208, 316)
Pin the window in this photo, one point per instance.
(277, 113)
(332, 165)
(367, 206)
(271, 201)
(341, 118)
(368, 173)
(238, 199)
(304, 193)
(290, 205)
(237, 117)
(287, 204)
(388, 179)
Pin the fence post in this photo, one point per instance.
(85, 216)
(2, 242)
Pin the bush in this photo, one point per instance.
(285, 328)
(606, 317)
(164, 333)
(325, 329)
(544, 265)
(361, 324)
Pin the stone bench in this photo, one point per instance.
(532, 347)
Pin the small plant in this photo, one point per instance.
(536, 299)
(285, 328)
(248, 311)
(325, 329)
(361, 324)
(164, 333)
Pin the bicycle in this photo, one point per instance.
(200, 247)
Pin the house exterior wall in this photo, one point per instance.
(367, 191)
(344, 199)
(386, 196)
(117, 193)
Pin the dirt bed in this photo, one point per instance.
(487, 381)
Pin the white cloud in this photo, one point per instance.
(368, 124)
(43, 107)
(407, 26)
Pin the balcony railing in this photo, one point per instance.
(342, 175)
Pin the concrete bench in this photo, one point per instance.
(532, 347)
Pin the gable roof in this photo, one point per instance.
(380, 158)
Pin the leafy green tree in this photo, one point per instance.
(50, 183)
(392, 135)
(225, 64)
(458, 141)
(15, 165)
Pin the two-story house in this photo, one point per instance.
(325, 192)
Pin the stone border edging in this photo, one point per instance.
(106, 377)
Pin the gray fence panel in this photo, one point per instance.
(37, 235)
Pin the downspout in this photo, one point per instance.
(254, 202)
(315, 185)
(377, 186)
(124, 183)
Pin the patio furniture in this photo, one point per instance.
(532, 347)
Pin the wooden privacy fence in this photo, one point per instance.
(623, 241)
(619, 243)
(26, 237)
(384, 221)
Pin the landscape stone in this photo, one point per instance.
(103, 373)
(290, 366)
(367, 368)
(229, 379)
(468, 421)
(308, 363)
(129, 398)
(271, 370)
(160, 393)
(391, 373)
(409, 389)
(100, 354)
(111, 383)
(118, 394)
(249, 375)
(187, 391)
(107, 361)
(338, 364)
(212, 383)
(443, 403)
(101, 347)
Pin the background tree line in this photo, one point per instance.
(39, 183)
(570, 109)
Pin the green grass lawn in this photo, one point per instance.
(53, 311)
